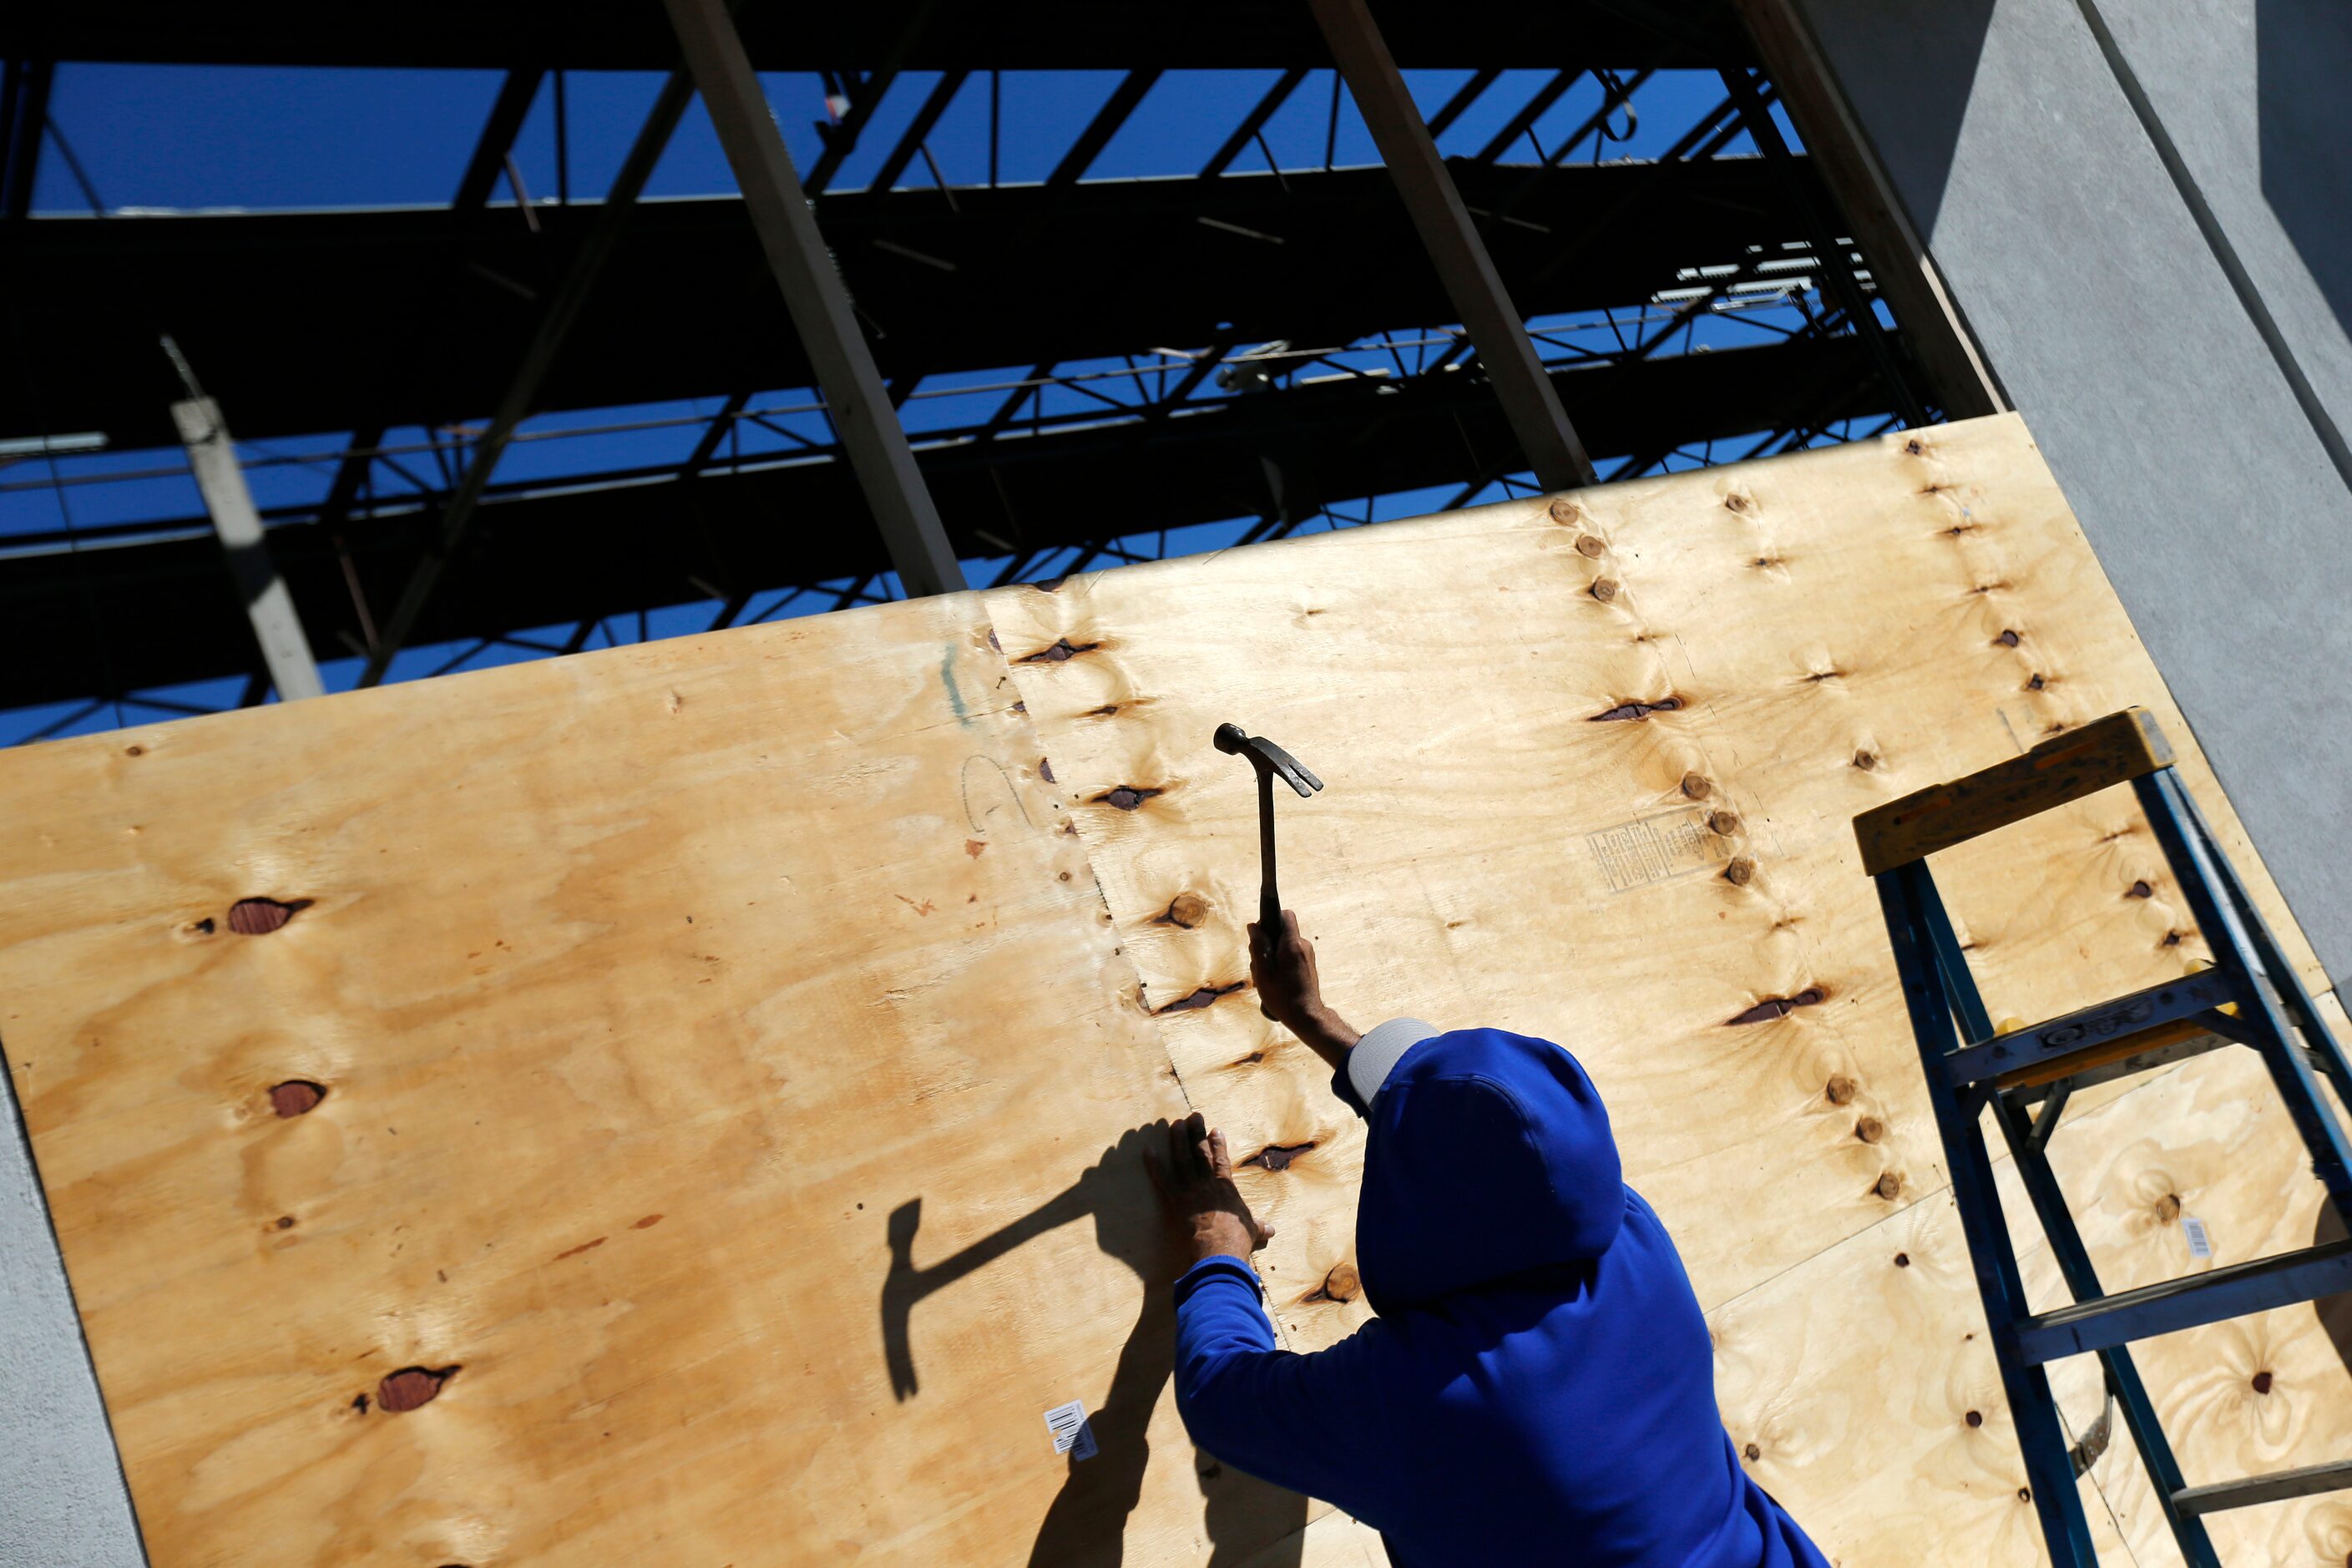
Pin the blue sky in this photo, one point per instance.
(212, 137)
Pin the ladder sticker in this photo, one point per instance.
(2200, 1244)
(1073, 1435)
(1651, 849)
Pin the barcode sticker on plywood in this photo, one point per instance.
(1651, 849)
(1072, 1433)
(2200, 1244)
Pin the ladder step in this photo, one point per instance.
(2088, 1028)
(2190, 1501)
(2127, 1054)
(2233, 1292)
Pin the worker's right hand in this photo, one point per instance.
(1282, 967)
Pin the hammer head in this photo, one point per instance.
(1266, 757)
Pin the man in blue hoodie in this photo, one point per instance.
(1538, 1386)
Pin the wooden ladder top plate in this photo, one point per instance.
(2111, 751)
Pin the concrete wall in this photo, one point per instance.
(62, 1500)
(2114, 323)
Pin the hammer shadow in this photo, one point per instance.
(1245, 1519)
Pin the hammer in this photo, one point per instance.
(1268, 759)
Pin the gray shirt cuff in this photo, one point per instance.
(1381, 1049)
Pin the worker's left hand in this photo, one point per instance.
(1196, 1178)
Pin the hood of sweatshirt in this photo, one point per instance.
(1489, 1159)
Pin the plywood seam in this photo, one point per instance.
(1110, 929)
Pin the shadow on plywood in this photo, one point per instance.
(1087, 1523)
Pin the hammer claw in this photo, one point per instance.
(1293, 772)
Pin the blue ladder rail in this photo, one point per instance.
(2250, 998)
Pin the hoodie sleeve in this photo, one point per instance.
(1315, 1423)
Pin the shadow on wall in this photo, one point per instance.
(2303, 60)
(1908, 67)
(1243, 1517)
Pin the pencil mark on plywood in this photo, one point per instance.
(987, 788)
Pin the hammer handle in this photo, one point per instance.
(1269, 901)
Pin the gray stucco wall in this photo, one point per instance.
(2214, 505)
(62, 1503)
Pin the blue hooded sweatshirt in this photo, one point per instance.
(1538, 1386)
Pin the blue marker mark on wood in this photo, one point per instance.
(947, 680)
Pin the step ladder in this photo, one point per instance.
(2251, 997)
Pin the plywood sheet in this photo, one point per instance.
(1861, 1391)
(929, 905)
(1817, 635)
(650, 993)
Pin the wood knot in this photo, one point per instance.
(412, 1387)
(2140, 890)
(1914, 447)
(259, 916)
(1888, 1186)
(1695, 786)
(1726, 823)
(1637, 711)
(1605, 588)
(1870, 1130)
(1278, 1156)
(1740, 872)
(1866, 759)
(1840, 1091)
(2168, 1207)
(1340, 1285)
(1185, 910)
(1564, 510)
(2007, 639)
(1128, 798)
(1735, 502)
(1902, 1260)
(2262, 1383)
(1753, 1452)
(1061, 651)
(1976, 1417)
(296, 1097)
(1773, 1007)
(1201, 996)
(1589, 545)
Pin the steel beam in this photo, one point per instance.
(1122, 102)
(554, 326)
(20, 138)
(1255, 122)
(1843, 155)
(861, 413)
(1832, 254)
(950, 84)
(508, 112)
(276, 626)
(1529, 401)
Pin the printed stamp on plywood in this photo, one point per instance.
(1652, 849)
